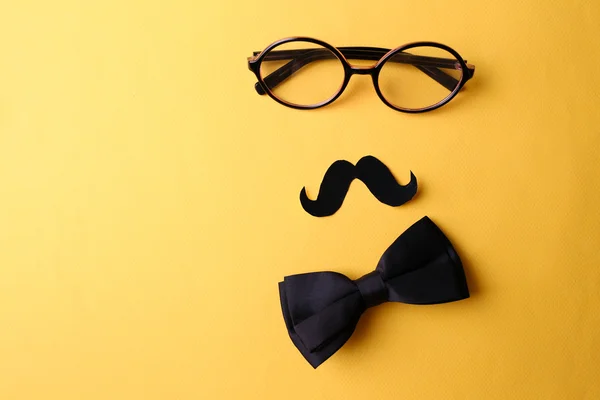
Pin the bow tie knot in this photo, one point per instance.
(372, 289)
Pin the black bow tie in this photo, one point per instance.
(321, 309)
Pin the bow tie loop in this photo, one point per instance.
(372, 288)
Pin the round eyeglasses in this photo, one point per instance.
(307, 73)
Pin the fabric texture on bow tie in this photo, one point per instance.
(321, 309)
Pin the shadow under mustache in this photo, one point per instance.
(372, 172)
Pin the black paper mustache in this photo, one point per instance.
(375, 175)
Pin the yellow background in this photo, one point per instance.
(149, 202)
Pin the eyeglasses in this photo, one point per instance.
(306, 73)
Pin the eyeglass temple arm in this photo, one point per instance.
(301, 57)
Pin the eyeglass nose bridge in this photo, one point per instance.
(362, 70)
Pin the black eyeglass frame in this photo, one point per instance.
(261, 87)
